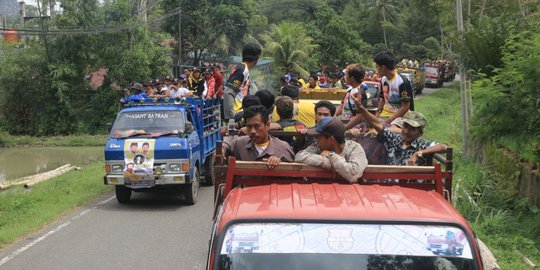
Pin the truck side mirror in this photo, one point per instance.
(109, 127)
(188, 127)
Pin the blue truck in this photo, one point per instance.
(163, 144)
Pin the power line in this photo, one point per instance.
(96, 30)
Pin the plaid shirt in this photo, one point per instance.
(398, 152)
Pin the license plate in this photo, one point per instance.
(140, 183)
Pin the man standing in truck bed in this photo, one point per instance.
(237, 86)
(259, 145)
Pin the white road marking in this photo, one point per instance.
(51, 232)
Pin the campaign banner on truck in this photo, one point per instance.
(139, 161)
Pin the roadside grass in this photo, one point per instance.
(7, 140)
(23, 211)
(486, 197)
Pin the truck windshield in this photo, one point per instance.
(147, 123)
(432, 70)
(344, 246)
(408, 75)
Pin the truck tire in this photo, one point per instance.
(123, 194)
(209, 175)
(192, 189)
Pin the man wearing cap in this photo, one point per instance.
(238, 84)
(406, 148)
(137, 90)
(332, 151)
(179, 90)
(259, 145)
(196, 82)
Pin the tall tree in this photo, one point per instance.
(208, 25)
(338, 42)
(289, 47)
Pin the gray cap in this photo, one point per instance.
(137, 86)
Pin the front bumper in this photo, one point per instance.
(164, 179)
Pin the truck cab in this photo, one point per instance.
(162, 144)
(298, 216)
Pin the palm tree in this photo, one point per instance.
(289, 46)
(385, 8)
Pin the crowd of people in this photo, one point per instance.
(205, 82)
(391, 131)
(367, 127)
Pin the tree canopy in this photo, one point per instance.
(127, 40)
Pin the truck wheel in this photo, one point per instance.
(192, 189)
(123, 194)
(209, 174)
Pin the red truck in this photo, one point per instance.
(434, 75)
(305, 217)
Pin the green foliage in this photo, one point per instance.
(485, 194)
(337, 42)
(511, 94)
(289, 47)
(49, 87)
(210, 24)
(480, 49)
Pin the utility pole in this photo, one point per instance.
(179, 58)
(465, 110)
(143, 13)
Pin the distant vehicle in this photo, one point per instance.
(416, 77)
(162, 144)
(449, 71)
(434, 76)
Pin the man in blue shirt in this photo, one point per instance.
(138, 91)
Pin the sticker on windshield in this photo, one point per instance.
(139, 160)
(369, 239)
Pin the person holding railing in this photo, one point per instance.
(407, 147)
(332, 151)
(259, 145)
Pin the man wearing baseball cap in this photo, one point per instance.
(332, 151)
(407, 148)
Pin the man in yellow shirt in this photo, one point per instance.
(304, 111)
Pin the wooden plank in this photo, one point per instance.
(299, 167)
(488, 260)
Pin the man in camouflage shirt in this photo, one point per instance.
(407, 148)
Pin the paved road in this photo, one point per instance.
(155, 231)
(428, 90)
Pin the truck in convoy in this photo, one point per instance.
(162, 144)
(449, 71)
(416, 77)
(302, 217)
(434, 75)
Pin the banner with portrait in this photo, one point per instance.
(139, 161)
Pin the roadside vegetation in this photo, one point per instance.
(7, 140)
(485, 195)
(24, 211)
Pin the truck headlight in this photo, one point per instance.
(117, 168)
(175, 167)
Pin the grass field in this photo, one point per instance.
(72, 140)
(507, 223)
(23, 211)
